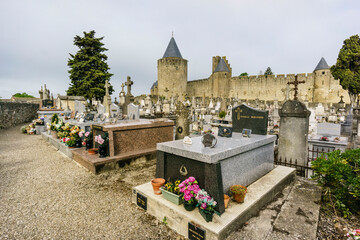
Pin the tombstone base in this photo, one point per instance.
(259, 194)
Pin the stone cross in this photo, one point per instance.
(296, 83)
(122, 87)
(107, 85)
(128, 85)
(238, 111)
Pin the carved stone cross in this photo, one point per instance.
(128, 85)
(296, 83)
(122, 87)
(107, 85)
(238, 113)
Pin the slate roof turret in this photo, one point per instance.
(322, 65)
(172, 50)
(222, 67)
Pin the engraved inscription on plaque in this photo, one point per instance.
(141, 201)
(195, 233)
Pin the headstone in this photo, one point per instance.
(100, 109)
(79, 107)
(47, 103)
(319, 110)
(328, 129)
(89, 117)
(247, 117)
(166, 107)
(182, 121)
(207, 118)
(133, 112)
(114, 110)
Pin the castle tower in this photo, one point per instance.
(322, 77)
(172, 72)
(221, 77)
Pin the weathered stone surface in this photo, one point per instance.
(12, 114)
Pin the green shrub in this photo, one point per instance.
(339, 176)
(23, 95)
(222, 114)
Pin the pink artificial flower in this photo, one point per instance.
(191, 188)
(214, 204)
(84, 143)
(181, 185)
(191, 179)
(87, 134)
(81, 134)
(101, 141)
(203, 205)
(187, 192)
(187, 197)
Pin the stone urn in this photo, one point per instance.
(156, 184)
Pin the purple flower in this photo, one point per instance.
(203, 205)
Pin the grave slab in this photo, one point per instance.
(259, 194)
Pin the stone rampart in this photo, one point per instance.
(13, 113)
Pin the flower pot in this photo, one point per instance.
(226, 200)
(156, 184)
(89, 144)
(171, 197)
(93, 151)
(207, 215)
(239, 197)
(189, 206)
(78, 143)
(102, 151)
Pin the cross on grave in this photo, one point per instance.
(296, 83)
(122, 87)
(238, 111)
(107, 85)
(128, 85)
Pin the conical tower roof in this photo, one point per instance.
(222, 67)
(322, 65)
(172, 50)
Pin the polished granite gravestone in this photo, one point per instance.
(245, 117)
(235, 160)
(127, 139)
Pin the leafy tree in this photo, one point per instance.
(268, 72)
(23, 95)
(88, 68)
(244, 74)
(347, 67)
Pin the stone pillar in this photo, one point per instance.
(182, 121)
(293, 132)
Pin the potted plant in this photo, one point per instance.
(190, 188)
(156, 184)
(74, 134)
(88, 140)
(171, 192)
(238, 192)
(69, 141)
(206, 205)
(102, 145)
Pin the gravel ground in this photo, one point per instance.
(44, 195)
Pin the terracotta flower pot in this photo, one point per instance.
(93, 151)
(157, 183)
(239, 197)
(226, 200)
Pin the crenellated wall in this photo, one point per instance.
(13, 113)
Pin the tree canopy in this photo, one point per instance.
(268, 71)
(23, 95)
(244, 74)
(347, 67)
(88, 68)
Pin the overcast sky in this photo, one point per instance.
(36, 37)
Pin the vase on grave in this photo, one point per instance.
(190, 206)
(171, 197)
(78, 143)
(207, 215)
(156, 184)
(88, 144)
(102, 151)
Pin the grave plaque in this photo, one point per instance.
(141, 201)
(89, 117)
(225, 131)
(47, 103)
(195, 233)
(247, 117)
(328, 129)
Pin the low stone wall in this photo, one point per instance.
(13, 113)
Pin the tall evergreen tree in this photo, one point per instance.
(268, 71)
(347, 67)
(88, 68)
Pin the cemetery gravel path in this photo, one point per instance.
(45, 195)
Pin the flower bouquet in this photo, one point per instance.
(190, 188)
(88, 141)
(353, 235)
(102, 145)
(206, 205)
(171, 192)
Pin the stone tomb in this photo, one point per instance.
(245, 117)
(235, 160)
(127, 139)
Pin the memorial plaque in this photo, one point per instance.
(96, 127)
(247, 117)
(89, 117)
(141, 201)
(328, 129)
(47, 103)
(196, 233)
(209, 140)
(225, 131)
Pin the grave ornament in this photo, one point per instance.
(209, 140)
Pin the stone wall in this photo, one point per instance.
(13, 113)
